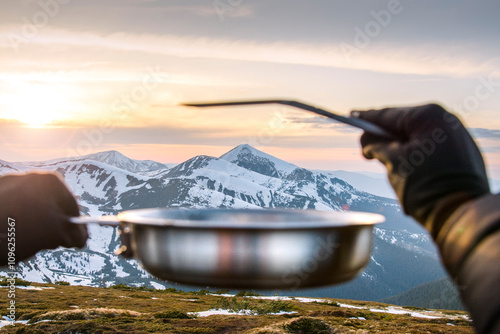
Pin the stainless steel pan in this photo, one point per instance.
(246, 248)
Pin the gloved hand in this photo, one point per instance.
(40, 204)
(434, 165)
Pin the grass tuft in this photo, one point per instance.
(172, 314)
(306, 325)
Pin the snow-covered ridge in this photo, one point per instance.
(11, 168)
(111, 158)
(115, 158)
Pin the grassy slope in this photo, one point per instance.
(72, 309)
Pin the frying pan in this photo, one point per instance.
(245, 248)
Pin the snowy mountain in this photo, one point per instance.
(108, 182)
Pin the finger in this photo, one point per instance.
(367, 141)
(407, 121)
(73, 235)
(371, 144)
(391, 119)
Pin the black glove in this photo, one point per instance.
(40, 205)
(434, 165)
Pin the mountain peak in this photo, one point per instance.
(241, 148)
(106, 155)
(250, 158)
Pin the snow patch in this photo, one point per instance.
(157, 286)
(231, 312)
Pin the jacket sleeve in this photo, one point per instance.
(469, 241)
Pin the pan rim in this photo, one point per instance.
(183, 218)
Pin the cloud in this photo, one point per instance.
(450, 61)
(9, 123)
(490, 149)
(217, 8)
(324, 123)
(481, 133)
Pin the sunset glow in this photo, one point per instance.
(36, 104)
(115, 83)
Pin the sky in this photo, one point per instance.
(79, 77)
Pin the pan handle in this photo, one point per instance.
(101, 220)
(124, 250)
(353, 120)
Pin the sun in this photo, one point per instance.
(36, 104)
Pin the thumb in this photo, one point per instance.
(382, 149)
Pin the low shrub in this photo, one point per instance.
(62, 283)
(6, 281)
(231, 304)
(201, 292)
(244, 293)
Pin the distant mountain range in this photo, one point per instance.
(373, 183)
(439, 294)
(109, 182)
